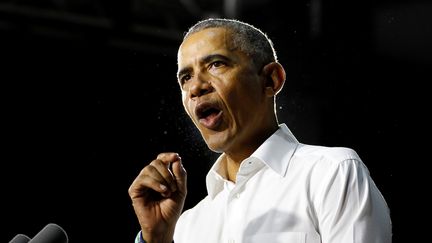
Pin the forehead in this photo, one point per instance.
(204, 42)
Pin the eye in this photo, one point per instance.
(217, 64)
(185, 78)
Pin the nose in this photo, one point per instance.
(200, 86)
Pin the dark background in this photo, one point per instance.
(89, 96)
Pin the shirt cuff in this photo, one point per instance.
(139, 239)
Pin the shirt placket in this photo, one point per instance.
(236, 206)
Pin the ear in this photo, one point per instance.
(275, 78)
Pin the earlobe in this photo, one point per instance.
(269, 91)
(275, 78)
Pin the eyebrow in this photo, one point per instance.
(205, 59)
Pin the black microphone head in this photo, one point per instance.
(20, 238)
(51, 233)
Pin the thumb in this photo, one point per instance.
(180, 175)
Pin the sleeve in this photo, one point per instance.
(139, 239)
(350, 207)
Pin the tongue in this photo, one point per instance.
(210, 121)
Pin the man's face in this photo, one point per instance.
(222, 91)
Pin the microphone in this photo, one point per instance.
(20, 238)
(51, 233)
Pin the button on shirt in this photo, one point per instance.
(289, 192)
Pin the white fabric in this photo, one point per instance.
(293, 193)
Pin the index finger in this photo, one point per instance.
(168, 158)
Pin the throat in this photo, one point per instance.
(231, 168)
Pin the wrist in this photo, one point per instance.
(154, 239)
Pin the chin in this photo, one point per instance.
(216, 143)
(215, 149)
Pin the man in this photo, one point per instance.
(265, 186)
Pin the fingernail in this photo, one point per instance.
(163, 187)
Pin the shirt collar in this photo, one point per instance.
(276, 153)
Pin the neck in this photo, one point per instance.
(235, 157)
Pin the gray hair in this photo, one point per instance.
(249, 39)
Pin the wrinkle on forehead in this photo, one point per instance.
(202, 38)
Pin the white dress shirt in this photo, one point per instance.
(289, 192)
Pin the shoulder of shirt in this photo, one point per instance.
(322, 164)
(328, 155)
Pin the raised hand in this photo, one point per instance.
(158, 194)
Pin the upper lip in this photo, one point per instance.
(203, 107)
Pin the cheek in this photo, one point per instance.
(239, 102)
(246, 103)
(185, 103)
(188, 111)
(244, 92)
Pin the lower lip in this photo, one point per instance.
(211, 122)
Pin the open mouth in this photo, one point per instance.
(209, 115)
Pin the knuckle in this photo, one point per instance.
(161, 155)
(130, 191)
(148, 169)
(155, 163)
(167, 156)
